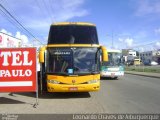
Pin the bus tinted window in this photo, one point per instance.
(115, 59)
(60, 60)
(72, 34)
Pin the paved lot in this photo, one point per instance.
(129, 94)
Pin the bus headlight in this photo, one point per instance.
(92, 81)
(53, 81)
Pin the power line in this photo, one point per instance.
(151, 43)
(5, 15)
(52, 10)
(47, 10)
(5, 2)
(10, 35)
(40, 6)
(11, 21)
(18, 22)
(11, 10)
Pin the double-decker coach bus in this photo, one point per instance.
(70, 62)
(114, 66)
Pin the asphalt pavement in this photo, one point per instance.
(128, 94)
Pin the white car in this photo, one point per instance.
(154, 63)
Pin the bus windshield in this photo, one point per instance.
(73, 61)
(72, 34)
(115, 59)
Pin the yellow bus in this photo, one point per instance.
(70, 62)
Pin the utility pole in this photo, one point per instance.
(111, 35)
(112, 39)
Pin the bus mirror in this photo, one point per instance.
(41, 55)
(104, 54)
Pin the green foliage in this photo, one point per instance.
(143, 69)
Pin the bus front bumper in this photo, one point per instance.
(112, 74)
(73, 88)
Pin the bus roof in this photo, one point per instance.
(74, 23)
(114, 50)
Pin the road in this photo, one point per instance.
(129, 94)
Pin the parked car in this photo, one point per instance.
(154, 63)
(147, 62)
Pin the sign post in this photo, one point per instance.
(18, 70)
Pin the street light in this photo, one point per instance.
(111, 38)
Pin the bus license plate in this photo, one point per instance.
(112, 74)
(73, 89)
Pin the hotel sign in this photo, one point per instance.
(18, 69)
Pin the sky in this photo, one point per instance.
(121, 24)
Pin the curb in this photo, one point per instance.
(153, 76)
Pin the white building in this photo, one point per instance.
(7, 41)
(149, 56)
(132, 53)
(129, 55)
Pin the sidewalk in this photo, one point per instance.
(147, 74)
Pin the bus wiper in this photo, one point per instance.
(58, 73)
(94, 72)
